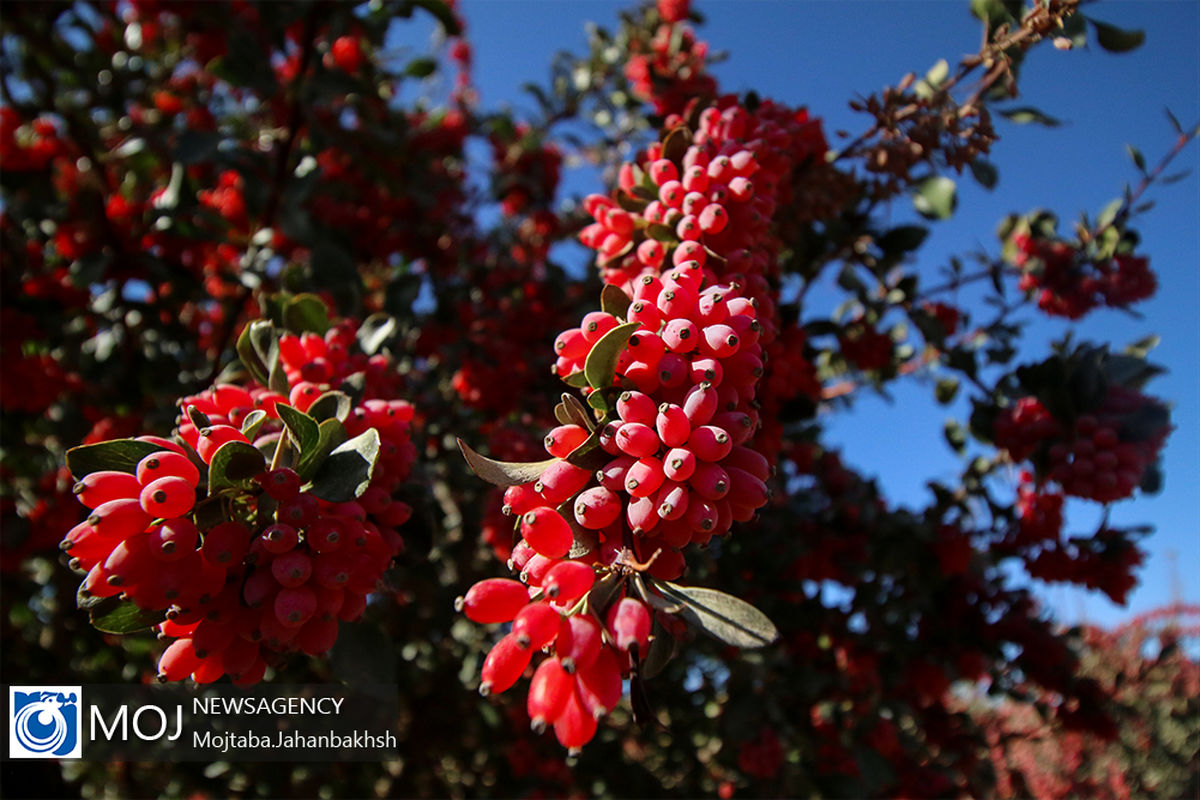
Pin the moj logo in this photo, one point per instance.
(43, 721)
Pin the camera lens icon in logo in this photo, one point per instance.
(44, 721)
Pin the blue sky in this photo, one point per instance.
(822, 54)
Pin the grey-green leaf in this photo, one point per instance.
(1117, 40)
(503, 473)
(234, 466)
(306, 313)
(723, 616)
(301, 428)
(346, 473)
(121, 616)
(936, 197)
(332, 434)
(120, 455)
(602, 360)
(331, 405)
(613, 300)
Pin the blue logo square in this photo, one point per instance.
(44, 721)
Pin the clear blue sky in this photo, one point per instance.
(821, 54)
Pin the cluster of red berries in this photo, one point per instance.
(1070, 285)
(1096, 458)
(240, 594)
(866, 348)
(668, 68)
(581, 680)
(1040, 512)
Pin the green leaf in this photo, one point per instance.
(661, 233)
(902, 239)
(1135, 154)
(946, 390)
(576, 379)
(346, 473)
(955, 435)
(113, 615)
(602, 360)
(306, 313)
(253, 423)
(234, 466)
(985, 173)
(503, 473)
(300, 426)
(938, 73)
(722, 616)
(249, 356)
(1117, 40)
(376, 331)
(573, 412)
(331, 405)
(421, 68)
(332, 434)
(659, 653)
(1142, 347)
(120, 455)
(676, 143)
(613, 300)
(1024, 115)
(936, 197)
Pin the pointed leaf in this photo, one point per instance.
(300, 426)
(676, 143)
(376, 331)
(576, 412)
(306, 313)
(576, 379)
(659, 653)
(121, 616)
(1117, 40)
(1024, 115)
(120, 455)
(661, 233)
(346, 473)
(332, 434)
(250, 358)
(331, 405)
(936, 197)
(503, 473)
(234, 466)
(602, 361)
(613, 300)
(253, 423)
(722, 616)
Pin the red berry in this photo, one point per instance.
(536, 625)
(549, 691)
(503, 665)
(169, 497)
(493, 600)
(579, 641)
(547, 532)
(280, 538)
(226, 544)
(629, 623)
(574, 727)
(568, 581)
(597, 508)
(178, 661)
(565, 438)
(280, 484)
(162, 464)
(97, 488)
(117, 519)
(295, 606)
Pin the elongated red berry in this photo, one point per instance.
(637, 439)
(295, 606)
(493, 600)
(98, 488)
(599, 683)
(536, 625)
(292, 569)
(597, 508)
(634, 406)
(178, 661)
(629, 624)
(565, 438)
(503, 665)
(579, 640)
(164, 463)
(574, 727)
(642, 514)
(549, 690)
(280, 538)
(168, 497)
(280, 484)
(119, 518)
(173, 540)
(644, 477)
(547, 532)
(672, 425)
(567, 581)
(212, 437)
(560, 480)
